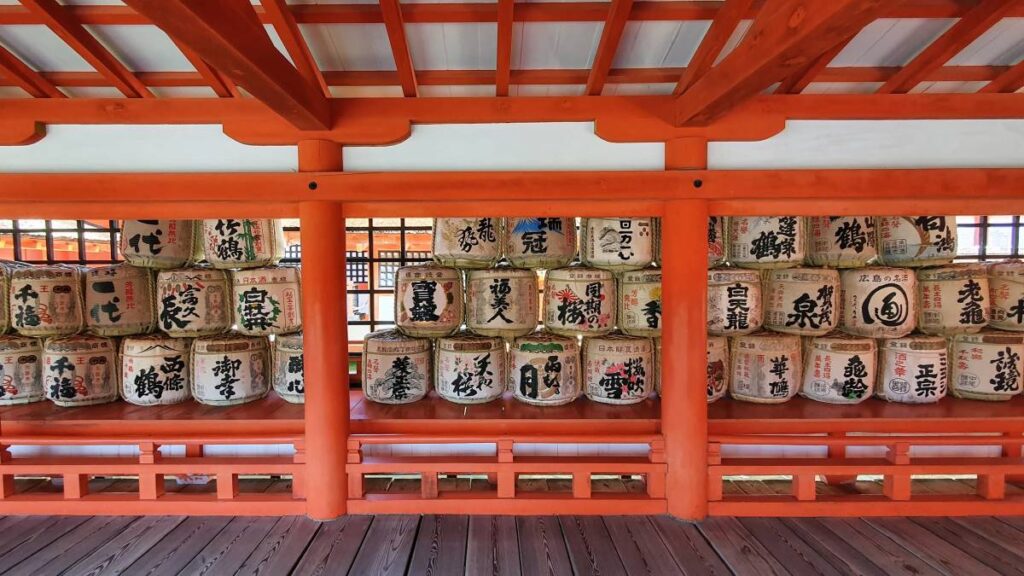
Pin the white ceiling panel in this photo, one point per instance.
(737, 36)
(658, 89)
(276, 39)
(553, 90)
(349, 46)
(1001, 45)
(93, 2)
(947, 87)
(452, 46)
(184, 92)
(41, 49)
(457, 91)
(366, 91)
(555, 45)
(92, 92)
(659, 44)
(13, 92)
(142, 48)
(842, 88)
(891, 41)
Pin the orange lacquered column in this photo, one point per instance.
(325, 340)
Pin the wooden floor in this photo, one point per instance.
(480, 545)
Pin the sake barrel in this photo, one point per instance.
(47, 300)
(154, 370)
(467, 242)
(396, 367)
(765, 367)
(267, 300)
(952, 299)
(913, 370)
(6, 268)
(718, 367)
(839, 369)
(656, 222)
(540, 242)
(80, 370)
(120, 300)
(716, 241)
(618, 369)
(193, 302)
(617, 244)
(243, 243)
(640, 302)
(470, 369)
(579, 301)
(230, 369)
(502, 301)
(734, 302)
(1006, 289)
(428, 300)
(161, 244)
(544, 369)
(803, 301)
(841, 241)
(879, 302)
(766, 242)
(916, 240)
(21, 363)
(986, 365)
(289, 373)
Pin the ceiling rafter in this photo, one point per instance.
(392, 14)
(228, 35)
(506, 11)
(796, 83)
(24, 77)
(221, 87)
(972, 25)
(281, 18)
(722, 28)
(611, 36)
(1009, 81)
(74, 34)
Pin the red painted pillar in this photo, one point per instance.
(684, 414)
(325, 340)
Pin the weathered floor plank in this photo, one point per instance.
(790, 550)
(542, 549)
(115, 555)
(73, 546)
(334, 548)
(387, 548)
(944, 556)
(281, 549)
(688, 547)
(640, 548)
(740, 550)
(180, 546)
(232, 545)
(590, 546)
(440, 547)
(34, 540)
(492, 547)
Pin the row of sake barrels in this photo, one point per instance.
(873, 302)
(616, 244)
(223, 243)
(836, 242)
(771, 368)
(150, 370)
(430, 301)
(541, 369)
(122, 300)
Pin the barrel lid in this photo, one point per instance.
(466, 342)
(382, 340)
(290, 271)
(119, 269)
(618, 338)
(142, 344)
(842, 342)
(766, 336)
(730, 275)
(205, 273)
(989, 336)
(952, 272)
(916, 342)
(1007, 269)
(802, 274)
(579, 272)
(714, 342)
(428, 267)
(649, 275)
(502, 270)
(50, 271)
(289, 342)
(11, 342)
(79, 341)
(229, 343)
(542, 337)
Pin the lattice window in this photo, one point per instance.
(357, 267)
(90, 242)
(989, 237)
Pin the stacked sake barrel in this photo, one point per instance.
(468, 325)
(839, 309)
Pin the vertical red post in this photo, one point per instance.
(325, 339)
(684, 413)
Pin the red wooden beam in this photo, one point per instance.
(26, 78)
(786, 36)
(210, 76)
(611, 35)
(506, 9)
(711, 45)
(795, 83)
(228, 35)
(1009, 81)
(281, 18)
(967, 30)
(392, 14)
(85, 44)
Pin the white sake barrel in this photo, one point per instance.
(986, 365)
(579, 301)
(21, 367)
(765, 367)
(839, 369)
(618, 369)
(81, 370)
(803, 301)
(467, 242)
(879, 302)
(289, 373)
(502, 301)
(428, 300)
(734, 302)
(766, 241)
(193, 302)
(640, 302)
(470, 369)
(617, 244)
(916, 240)
(716, 241)
(154, 370)
(544, 369)
(952, 299)
(120, 300)
(841, 241)
(1006, 289)
(539, 242)
(229, 369)
(161, 244)
(243, 243)
(6, 269)
(267, 300)
(913, 370)
(396, 367)
(718, 367)
(47, 300)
